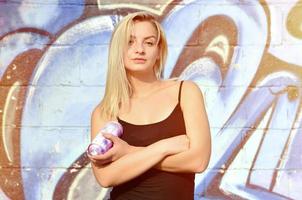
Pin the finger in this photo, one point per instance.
(100, 164)
(103, 162)
(107, 155)
(95, 156)
(100, 157)
(93, 161)
(90, 157)
(111, 137)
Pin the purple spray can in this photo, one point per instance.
(100, 144)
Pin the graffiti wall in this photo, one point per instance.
(244, 55)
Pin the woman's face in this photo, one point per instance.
(142, 51)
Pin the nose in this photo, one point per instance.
(139, 48)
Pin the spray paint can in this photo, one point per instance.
(100, 144)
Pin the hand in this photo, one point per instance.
(175, 145)
(119, 148)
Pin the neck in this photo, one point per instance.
(143, 85)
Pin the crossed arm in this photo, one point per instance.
(185, 153)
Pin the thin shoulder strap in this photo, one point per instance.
(179, 92)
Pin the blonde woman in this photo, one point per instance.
(166, 137)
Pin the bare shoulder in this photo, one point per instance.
(97, 121)
(190, 87)
(191, 93)
(96, 112)
(96, 115)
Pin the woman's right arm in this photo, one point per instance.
(134, 163)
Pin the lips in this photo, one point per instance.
(139, 60)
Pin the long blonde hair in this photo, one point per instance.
(118, 88)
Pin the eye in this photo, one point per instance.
(150, 43)
(130, 42)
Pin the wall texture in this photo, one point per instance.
(244, 54)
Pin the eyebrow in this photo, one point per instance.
(148, 37)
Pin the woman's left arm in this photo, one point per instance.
(195, 159)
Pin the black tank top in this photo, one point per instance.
(156, 184)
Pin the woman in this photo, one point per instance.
(166, 137)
